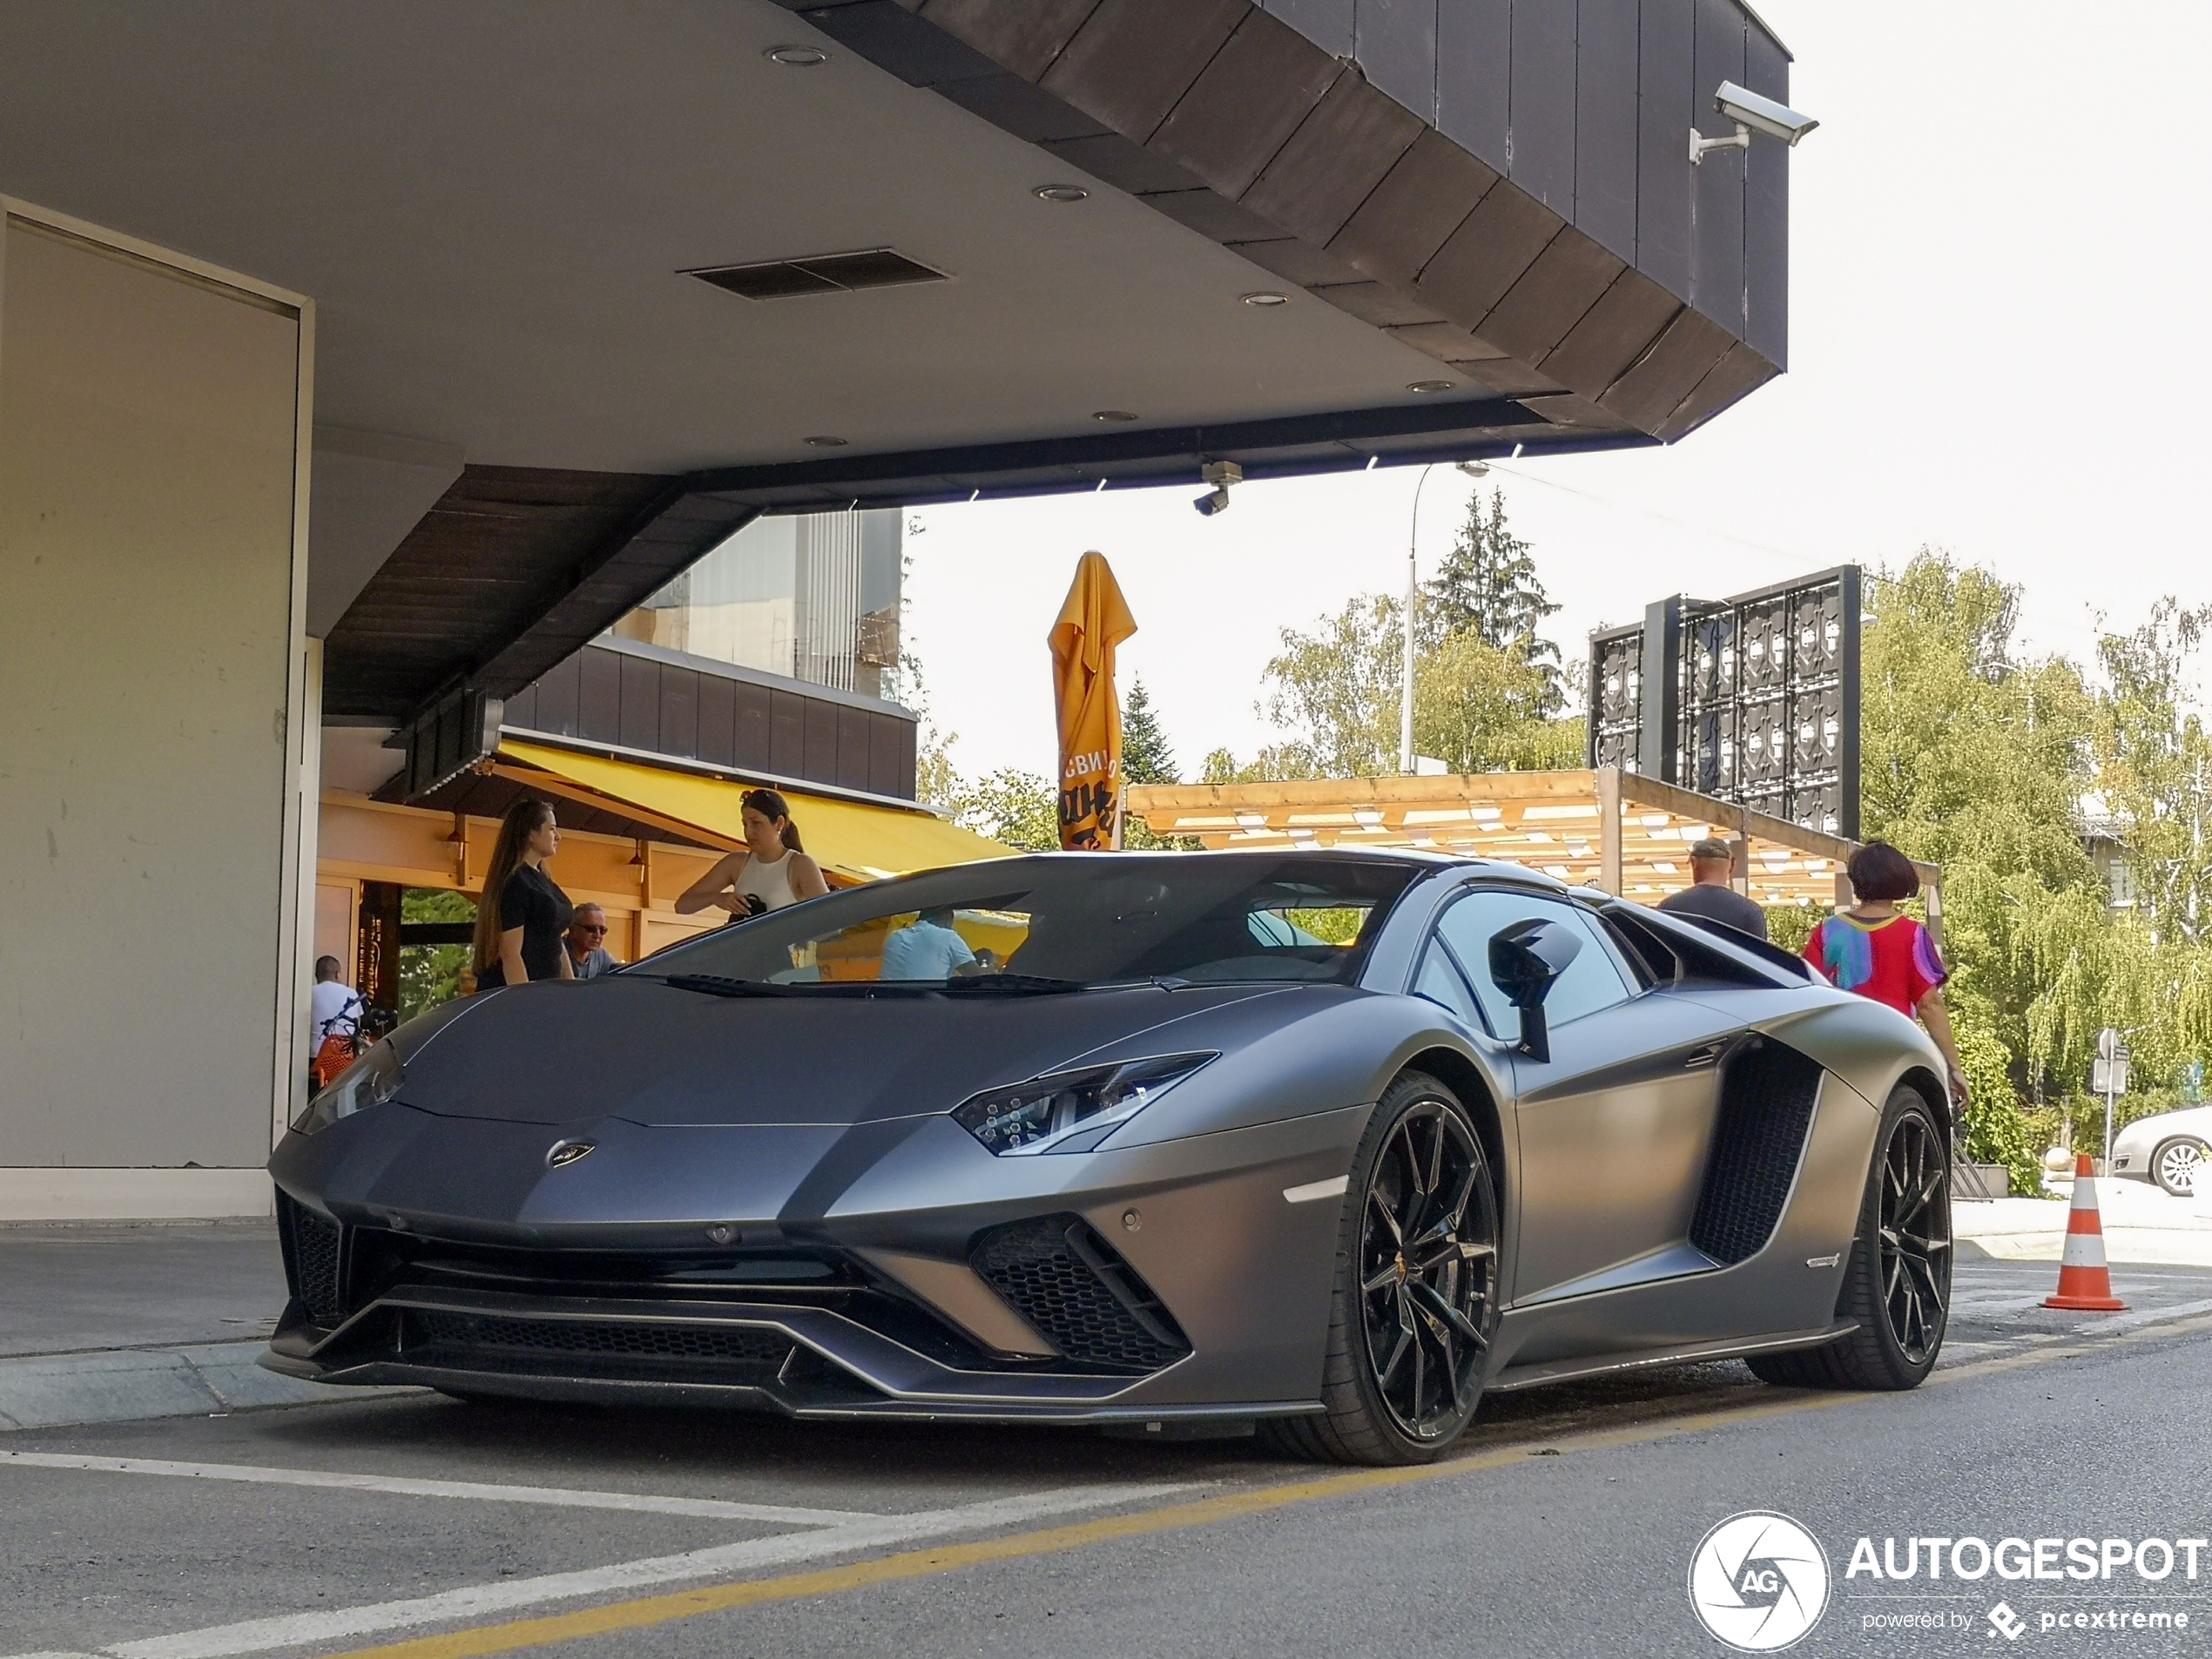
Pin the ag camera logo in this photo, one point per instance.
(1758, 1581)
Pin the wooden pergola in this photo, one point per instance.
(1599, 827)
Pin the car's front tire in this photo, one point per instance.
(1897, 1284)
(2178, 1165)
(1415, 1304)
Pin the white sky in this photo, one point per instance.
(1998, 345)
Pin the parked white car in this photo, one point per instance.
(2166, 1151)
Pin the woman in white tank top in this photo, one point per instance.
(772, 871)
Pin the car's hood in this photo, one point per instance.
(633, 1048)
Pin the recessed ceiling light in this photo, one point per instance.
(1266, 297)
(824, 443)
(1432, 386)
(797, 57)
(1060, 193)
(1113, 414)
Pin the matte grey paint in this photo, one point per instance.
(823, 1122)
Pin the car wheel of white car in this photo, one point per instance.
(2175, 1165)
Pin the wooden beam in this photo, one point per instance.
(1609, 829)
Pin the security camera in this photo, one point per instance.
(1220, 474)
(1751, 113)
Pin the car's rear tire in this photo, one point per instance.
(2179, 1165)
(1898, 1283)
(1415, 1304)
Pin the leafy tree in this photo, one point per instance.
(2154, 766)
(430, 974)
(1146, 756)
(1020, 808)
(1487, 586)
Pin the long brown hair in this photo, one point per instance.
(524, 819)
(773, 807)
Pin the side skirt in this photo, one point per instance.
(1536, 1376)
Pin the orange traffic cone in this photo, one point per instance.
(2084, 1281)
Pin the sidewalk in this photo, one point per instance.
(2141, 1226)
(111, 1324)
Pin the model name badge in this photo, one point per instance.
(567, 1152)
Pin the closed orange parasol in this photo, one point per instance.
(1093, 622)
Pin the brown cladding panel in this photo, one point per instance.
(1605, 124)
(1012, 105)
(1122, 164)
(1250, 99)
(679, 711)
(1333, 162)
(1680, 358)
(908, 760)
(1612, 335)
(1133, 59)
(599, 696)
(1552, 296)
(1509, 378)
(1213, 215)
(1297, 262)
(1543, 102)
(883, 756)
(640, 703)
(1377, 303)
(557, 696)
(1666, 70)
(1716, 243)
(787, 734)
(1398, 49)
(1486, 256)
(522, 709)
(1446, 342)
(1419, 203)
(718, 721)
(754, 740)
(820, 740)
(1474, 83)
(1766, 212)
(1741, 372)
(1026, 39)
(851, 771)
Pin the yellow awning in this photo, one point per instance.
(848, 838)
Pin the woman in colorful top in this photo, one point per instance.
(1872, 949)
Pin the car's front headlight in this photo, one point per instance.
(1071, 1111)
(370, 1080)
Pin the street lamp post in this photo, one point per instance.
(1473, 469)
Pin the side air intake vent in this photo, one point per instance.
(877, 268)
(312, 1258)
(1767, 1093)
(1088, 1302)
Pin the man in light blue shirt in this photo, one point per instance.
(929, 949)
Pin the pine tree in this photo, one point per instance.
(1488, 586)
(1146, 757)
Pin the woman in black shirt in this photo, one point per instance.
(523, 915)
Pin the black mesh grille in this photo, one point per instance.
(1767, 1092)
(312, 1258)
(740, 1343)
(1083, 1297)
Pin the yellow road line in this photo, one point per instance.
(648, 1611)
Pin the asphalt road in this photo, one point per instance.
(426, 1529)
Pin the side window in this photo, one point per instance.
(1591, 981)
(1440, 983)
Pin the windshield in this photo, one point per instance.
(1068, 922)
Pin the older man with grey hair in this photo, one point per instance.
(586, 942)
(1708, 897)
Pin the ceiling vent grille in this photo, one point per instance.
(875, 267)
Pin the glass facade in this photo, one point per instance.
(815, 597)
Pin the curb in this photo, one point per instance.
(126, 1385)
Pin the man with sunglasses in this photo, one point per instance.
(587, 942)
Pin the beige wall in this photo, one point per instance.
(149, 447)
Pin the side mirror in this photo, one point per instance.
(1526, 962)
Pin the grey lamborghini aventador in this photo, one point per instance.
(1329, 1144)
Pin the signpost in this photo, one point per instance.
(2108, 1077)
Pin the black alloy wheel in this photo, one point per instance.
(1416, 1300)
(1897, 1285)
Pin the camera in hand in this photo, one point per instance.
(754, 904)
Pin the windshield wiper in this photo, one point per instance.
(1153, 982)
(722, 984)
(1008, 985)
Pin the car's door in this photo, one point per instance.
(1614, 1128)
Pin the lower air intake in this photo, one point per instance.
(313, 1255)
(1081, 1297)
(571, 1338)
